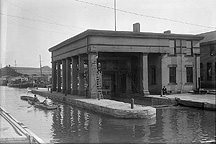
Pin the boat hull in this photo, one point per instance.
(26, 98)
(42, 106)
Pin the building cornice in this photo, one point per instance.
(125, 34)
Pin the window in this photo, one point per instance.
(153, 75)
(172, 74)
(189, 47)
(209, 71)
(212, 50)
(189, 71)
(172, 45)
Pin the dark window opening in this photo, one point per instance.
(189, 71)
(172, 74)
(209, 71)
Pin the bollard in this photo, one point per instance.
(161, 93)
(132, 103)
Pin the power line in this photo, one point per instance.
(29, 19)
(138, 14)
(36, 28)
(52, 22)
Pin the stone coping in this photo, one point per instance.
(105, 106)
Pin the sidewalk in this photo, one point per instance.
(208, 98)
(105, 106)
(203, 101)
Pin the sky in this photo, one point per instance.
(30, 27)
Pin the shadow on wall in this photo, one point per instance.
(208, 84)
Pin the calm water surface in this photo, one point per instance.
(71, 124)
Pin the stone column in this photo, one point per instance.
(59, 75)
(92, 66)
(81, 76)
(54, 76)
(145, 73)
(68, 75)
(74, 79)
(63, 75)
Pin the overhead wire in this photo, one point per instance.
(48, 21)
(30, 19)
(35, 28)
(138, 14)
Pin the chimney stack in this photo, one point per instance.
(136, 27)
(167, 32)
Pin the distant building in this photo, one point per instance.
(124, 63)
(33, 71)
(208, 60)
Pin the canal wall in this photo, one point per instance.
(193, 101)
(155, 101)
(105, 106)
(14, 131)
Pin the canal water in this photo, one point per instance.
(69, 124)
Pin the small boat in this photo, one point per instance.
(47, 107)
(26, 98)
(31, 102)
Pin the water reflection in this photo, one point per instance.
(77, 125)
(183, 125)
(171, 125)
(69, 124)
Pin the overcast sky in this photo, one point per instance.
(30, 27)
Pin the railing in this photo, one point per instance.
(20, 128)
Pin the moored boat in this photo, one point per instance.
(26, 98)
(47, 107)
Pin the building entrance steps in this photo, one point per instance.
(105, 106)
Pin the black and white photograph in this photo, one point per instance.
(108, 71)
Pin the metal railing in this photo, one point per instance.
(20, 128)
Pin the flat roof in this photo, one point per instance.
(107, 33)
(209, 38)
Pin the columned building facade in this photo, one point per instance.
(118, 63)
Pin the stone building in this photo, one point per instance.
(208, 60)
(121, 63)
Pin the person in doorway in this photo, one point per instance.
(164, 90)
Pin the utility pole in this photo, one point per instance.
(15, 65)
(40, 66)
(115, 13)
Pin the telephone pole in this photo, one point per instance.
(40, 66)
(115, 13)
(15, 65)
